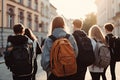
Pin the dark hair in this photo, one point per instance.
(30, 34)
(18, 28)
(109, 27)
(58, 22)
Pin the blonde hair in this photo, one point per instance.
(96, 33)
(77, 23)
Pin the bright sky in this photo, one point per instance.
(74, 8)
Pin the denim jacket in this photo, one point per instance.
(45, 58)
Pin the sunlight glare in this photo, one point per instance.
(74, 8)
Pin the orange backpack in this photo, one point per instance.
(62, 57)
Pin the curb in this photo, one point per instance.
(1, 62)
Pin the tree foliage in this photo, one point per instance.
(89, 21)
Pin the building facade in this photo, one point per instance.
(27, 12)
(109, 11)
(45, 15)
(48, 11)
(34, 14)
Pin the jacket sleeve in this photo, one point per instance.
(73, 42)
(45, 57)
(7, 53)
(38, 49)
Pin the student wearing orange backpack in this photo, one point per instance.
(48, 63)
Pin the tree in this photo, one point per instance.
(89, 21)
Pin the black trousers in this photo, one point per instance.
(103, 74)
(22, 78)
(80, 75)
(112, 69)
(35, 70)
(96, 75)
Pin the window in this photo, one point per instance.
(29, 20)
(29, 3)
(21, 17)
(36, 5)
(42, 26)
(47, 10)
(42, 9)
(20, 1)
(10, 17)
(119, 7)
(36, 23)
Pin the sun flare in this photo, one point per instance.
(74, 8)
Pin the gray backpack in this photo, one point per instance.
(102, 55)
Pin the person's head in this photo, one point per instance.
(109, 27)
(58, 22)
(30, 34)
(96, 33)
(18, 28)
(77, 23)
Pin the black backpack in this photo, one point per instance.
(86, 55)
(114, 44)
(117, 49)
(20, 59)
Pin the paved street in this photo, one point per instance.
(6, 75)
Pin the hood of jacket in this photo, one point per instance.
(80, 33)
(17, 39)
(59, 32)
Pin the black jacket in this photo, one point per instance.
(17, 39)
(110, 38)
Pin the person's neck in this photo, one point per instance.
(109, 32)
(75, 29)
(19, 34)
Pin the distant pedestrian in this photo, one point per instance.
(96, 35)
(42, 42)
(29, 33)
(58, 31)
(109, 27)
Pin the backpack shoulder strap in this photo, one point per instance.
(67, 36)
(54, 38)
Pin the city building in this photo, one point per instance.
(109, 11)
(45, 15)
(53, 11)
(34, 14)
(48, 11)
(27, 12)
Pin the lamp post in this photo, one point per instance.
(2, 23)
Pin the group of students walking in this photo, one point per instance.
(95, 34)
(58, 31)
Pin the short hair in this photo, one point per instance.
(78, 23)
(109, 27)
(18, 28)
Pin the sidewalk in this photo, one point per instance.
(41, 75)
(2, 60)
